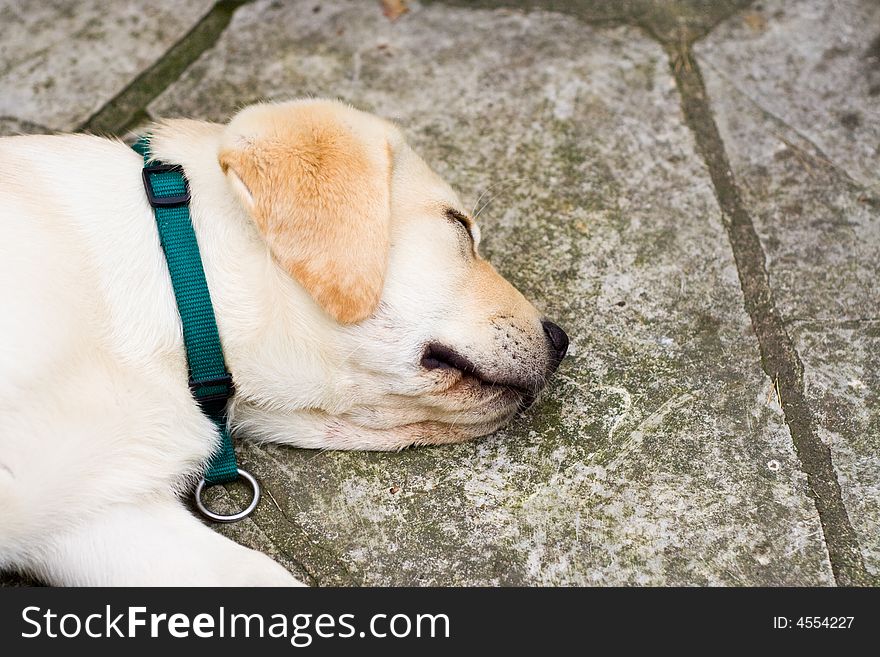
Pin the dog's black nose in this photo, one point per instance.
(558, 341)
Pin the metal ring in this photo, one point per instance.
(247, 476)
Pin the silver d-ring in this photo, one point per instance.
(247, 476)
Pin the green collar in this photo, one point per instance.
(211, 384)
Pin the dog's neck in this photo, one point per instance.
(258, 306)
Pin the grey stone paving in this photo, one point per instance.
(802, 128)
(64, 60)
(664, 452)
(815, 66)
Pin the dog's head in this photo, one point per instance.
(420, 340)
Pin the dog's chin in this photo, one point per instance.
(457, 409)
(476, 410)
(466, 411)
(451, 432)
(460, 420)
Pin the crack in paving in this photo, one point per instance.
(128, 108)
(779, 359)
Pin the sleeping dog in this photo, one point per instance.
(353, 305)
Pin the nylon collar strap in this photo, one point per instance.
(209, 381)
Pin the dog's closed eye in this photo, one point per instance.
(456, 216)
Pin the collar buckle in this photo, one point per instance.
(167, 201)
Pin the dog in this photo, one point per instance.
(353, 305)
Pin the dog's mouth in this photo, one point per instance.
(437, 356)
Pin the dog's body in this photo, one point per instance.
(354, 311)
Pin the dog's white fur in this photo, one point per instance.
(99, 434)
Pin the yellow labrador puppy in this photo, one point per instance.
(353, 305)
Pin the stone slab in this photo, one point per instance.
(815, 66)
(61, 61)
(800, 171)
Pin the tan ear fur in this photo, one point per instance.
(317, 185)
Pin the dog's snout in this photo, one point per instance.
(558, 342)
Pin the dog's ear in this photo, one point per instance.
(317, 186)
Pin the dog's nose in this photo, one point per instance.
(558, 342)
